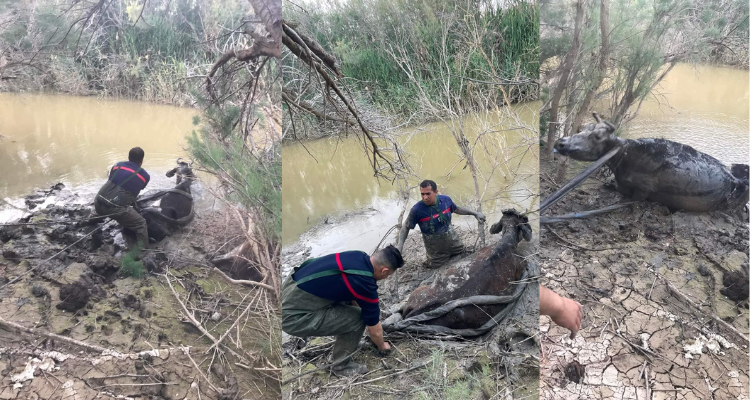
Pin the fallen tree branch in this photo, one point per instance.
(242, 282)
(420, 365)
(195, 322)
(20, 328)
(673, 290)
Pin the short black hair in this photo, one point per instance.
(390, 257)
(425, 183)
(136, 155)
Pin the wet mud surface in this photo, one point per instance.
(153, 351)
(664, 298)
(500, 364)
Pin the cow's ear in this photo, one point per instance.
(496, 228)
(526, 231)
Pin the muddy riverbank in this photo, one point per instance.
(157, 331)
(657, 320)
(502, 362)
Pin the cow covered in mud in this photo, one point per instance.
(660, 170)
(176, 207)
(490, 271)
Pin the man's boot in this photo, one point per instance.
(345, 345)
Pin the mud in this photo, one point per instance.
(83, 295)
(500, 363)
(639, 339)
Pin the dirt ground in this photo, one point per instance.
(641, 339)
(488, 367)
(153, 350)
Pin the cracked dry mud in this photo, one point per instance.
(631, 318)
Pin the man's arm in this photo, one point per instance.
(403, 233)
(465, 211)
(408, 225)
(376, 335)
(563, 311)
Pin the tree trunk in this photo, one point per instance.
(570, 58)
(601, 70)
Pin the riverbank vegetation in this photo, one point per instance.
(619, 51)
(365, 39)
(157, 50)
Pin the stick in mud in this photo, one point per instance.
(20, 328)
(584, 214)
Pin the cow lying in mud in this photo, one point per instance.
(490, 271)
(660, 170)
(176, 207)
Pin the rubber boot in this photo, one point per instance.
(346, 344)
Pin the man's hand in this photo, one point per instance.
(481, 217)
(385, 351)
(376, 335)
(563, 311)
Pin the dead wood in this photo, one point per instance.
(31, 331)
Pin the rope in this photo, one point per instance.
(554, 197)
(584, 214)
(411, 324)
(384, 237)
(72, 221)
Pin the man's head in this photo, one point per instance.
(429, 192)
(385, 262)
(136, 155)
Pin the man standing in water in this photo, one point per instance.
(117, 196)
(433, 214)
(319, 298)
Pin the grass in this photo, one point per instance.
(130, 266)
(443, 379)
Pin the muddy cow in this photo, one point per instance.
(176, 207)
(660, 170)
(489, 271)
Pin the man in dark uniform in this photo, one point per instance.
(319, 297)
(117, 197)
(433, 214)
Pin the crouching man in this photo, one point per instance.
(319, 297)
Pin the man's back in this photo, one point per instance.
(121, 174)
(356, 286)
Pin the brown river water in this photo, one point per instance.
(339, 180)
(706, 107)
(47, 139)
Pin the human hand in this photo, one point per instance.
(481, 217)
(568, 316)
(383, 351)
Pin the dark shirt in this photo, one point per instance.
(123, 170)
(432, 220)
(335, 288)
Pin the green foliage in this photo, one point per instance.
(130, 266)
(218, 146)
(121, 52)
(364, 34)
